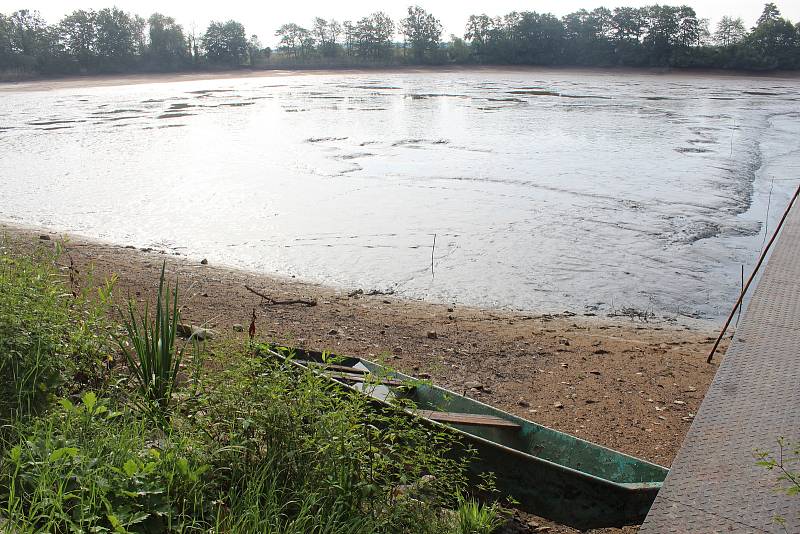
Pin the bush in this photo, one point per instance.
(302, 455)
(50, 335)
(262, 446)
(154, 359)
(87, 468)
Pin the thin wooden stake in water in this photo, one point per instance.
(753, 274)
(433, 250)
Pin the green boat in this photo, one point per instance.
(551, 474)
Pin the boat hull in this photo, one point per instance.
(548, 473)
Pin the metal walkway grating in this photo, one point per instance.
(714, 484)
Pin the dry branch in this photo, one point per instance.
(275, 302)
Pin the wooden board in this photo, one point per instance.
(368, 379)
(335, 367)
(467, 419)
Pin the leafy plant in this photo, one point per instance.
(52, 337)
(787, 464)
(302, 455)
(154, 359)
(477, 518)
(89, 468)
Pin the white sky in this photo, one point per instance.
(263, 17)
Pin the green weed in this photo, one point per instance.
(51, 336)
(154, 358)
(260, 446)
(88, 468)
(477, 518)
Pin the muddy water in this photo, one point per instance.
(546, 190)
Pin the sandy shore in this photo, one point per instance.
(73, 82)
(625, 384)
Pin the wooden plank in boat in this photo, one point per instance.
(342, 368)
(368, 379)
(467, 419)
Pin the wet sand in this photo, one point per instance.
(102, 80)
(620, 382)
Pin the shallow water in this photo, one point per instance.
(546, 190)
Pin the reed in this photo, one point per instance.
(150, 348)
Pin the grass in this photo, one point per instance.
(250, 445)
(477, 518)
(51, 336)
(154, 359)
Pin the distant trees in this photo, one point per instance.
(657, 35)
(774, 42)
(169, 48)
(112, 40)
(326, 33)
(119, 38)
(422, 32)
(225, 43)
(729, 31)
(372, 37)
(295, 40)
(79, 37)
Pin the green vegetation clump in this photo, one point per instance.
(251, 445)
(52, 337)
(787, 464)
(150, 349)
(86, 467)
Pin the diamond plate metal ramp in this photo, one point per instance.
(714, 484)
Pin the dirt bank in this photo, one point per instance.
(625, 384)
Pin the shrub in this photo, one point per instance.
(50, 335)
(477, 518)
(302, 455)
(787, 465)
(88, 468)
(154, 359)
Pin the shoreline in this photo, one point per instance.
(509, 351)
(672, 321)
(628, 385)
(41, 83)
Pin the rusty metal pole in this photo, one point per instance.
(753, 275)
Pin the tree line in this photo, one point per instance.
(111, 40)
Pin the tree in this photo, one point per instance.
(254, 49)
(120, 37)
(538, 38)
(225, 43)
(78, 35)
(422, 32)
(5, 42)
(729, 31)
(349, 36)
(28, 34)
(663, 26)
(690, 28)
(372, 36)
(628, 24)
(326, 34)
(294, 39)
(169, 48)
(588, 37)
(457, 50)
(479, 31)
(775, 43)
(770, 13)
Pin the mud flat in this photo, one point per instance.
(621, 382)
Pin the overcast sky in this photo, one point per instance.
(263, 17)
